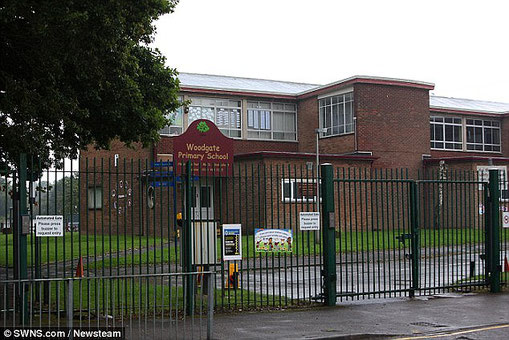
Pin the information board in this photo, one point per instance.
(232, 242)
(49, 225)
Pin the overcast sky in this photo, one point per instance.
(461, 46)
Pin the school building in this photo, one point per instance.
(361, 122)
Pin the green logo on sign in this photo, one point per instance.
(202, 127)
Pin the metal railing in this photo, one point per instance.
(142, 306)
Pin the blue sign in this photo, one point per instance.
(161, 164)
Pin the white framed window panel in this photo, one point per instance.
(446, 133)
(298, 190)
(177, 124)
(465, 134)
(273, 121)
(483, 135)
(225, 113)
(336, 114)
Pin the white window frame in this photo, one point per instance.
(464, 132)
(443, 124)
(217, 104)
(337, 101)
(95, 197)
(483, 128)
(292, 198)
(271, 109)
(174, 129)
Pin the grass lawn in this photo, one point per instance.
(304, 244)
(73, 245)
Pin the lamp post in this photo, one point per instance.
(317, 132)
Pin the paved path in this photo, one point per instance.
(486, 316)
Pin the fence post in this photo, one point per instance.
(415, 238)
(328, 235)
(493, 267)
(210, 317)
(70, 306)
(20, 235)
(187, 244)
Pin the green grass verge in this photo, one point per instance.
(304, 244)
(72, 246)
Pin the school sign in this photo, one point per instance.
(210, 152)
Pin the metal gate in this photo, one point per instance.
(395, 236)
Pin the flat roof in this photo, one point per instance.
(240, 85)
(469, 105)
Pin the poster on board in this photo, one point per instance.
(273, 240)
(232, 242)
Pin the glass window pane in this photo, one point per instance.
(289, 107)
(289, 122)
(349, 113)
(487, 136)
(496, 136)
(328, 122)
(448, 133)
(95, 198)
(277, 106)
(205, 201)
(222, 117)
(279, 121)
(439, 132)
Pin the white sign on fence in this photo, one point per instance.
(49, 225)
(309, 221)
(505, 219)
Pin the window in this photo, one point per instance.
(483, 135)
(95, 198)
(462, 134)
(176, 126)
(446, 133)
(298, 190)
(267, 120)
(484, 176)
(225, 113)
(336, 114)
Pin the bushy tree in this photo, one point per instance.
(74, 73)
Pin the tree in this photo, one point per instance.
(75, 73)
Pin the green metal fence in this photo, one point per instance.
(383, 233)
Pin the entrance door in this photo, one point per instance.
(202, 207)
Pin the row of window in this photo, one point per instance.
(278, 121)
(451, 133)
(265, 120)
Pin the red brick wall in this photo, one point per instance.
(393, 123)
(307, 122)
